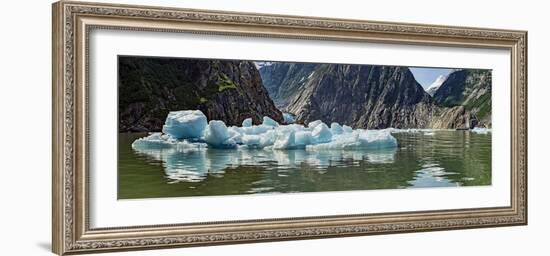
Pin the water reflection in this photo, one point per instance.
(196, 165)
(422, 159)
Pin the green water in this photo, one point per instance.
(438, 159)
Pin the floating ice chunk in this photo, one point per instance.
(267, 139)
(480, 130)
(302, 139)
(343, 141)
(235, 134)
(256, 129)
(154, 141)
(347, 129)
(321, 134)
(358, 139)
(159, 141)
(335, 128)
(313, 124)
(377, 139)
(247, 122)
(269, 122)
(182, 130)
(217, 135)
(288, 118)
(185, 124)
(252, 141)
(285, 140)
(292, 127)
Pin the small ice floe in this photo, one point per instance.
(288, 118)
(480, 130)
(425, 131)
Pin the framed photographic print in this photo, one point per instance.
(179, 127)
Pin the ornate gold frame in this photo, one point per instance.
(72, 21)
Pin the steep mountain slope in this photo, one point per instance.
(283, 80)
(364, 96)
(370, 96)
(225, 90)
(469, 88)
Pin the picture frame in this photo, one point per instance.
(72, 25)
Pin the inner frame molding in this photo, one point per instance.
(72, 23)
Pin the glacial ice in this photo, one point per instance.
(313, 124)
(269, 122)
(188, 130)
(158, 141)
(480, 130)
(321, 134)
(218, 136)
(347, 129)
(336, 129)
(358, 139)
(247, 122)
(288, 118)
(185, 124)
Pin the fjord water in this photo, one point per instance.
(422, 159)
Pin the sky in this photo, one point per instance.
(426, 76)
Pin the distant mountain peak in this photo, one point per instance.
(436, 84)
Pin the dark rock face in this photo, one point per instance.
(225, 90)
(364, 96)
(375, 97)
(431, 91)
(284, 80)
(454, 118)
(469, 88)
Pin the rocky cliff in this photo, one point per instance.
(365, 96)
(283, 80)
(224, 90)
(470, 88)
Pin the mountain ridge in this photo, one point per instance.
(362, 96)
(222, 89)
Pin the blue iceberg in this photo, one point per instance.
(188, 130)
(288, 118)
(185, 124)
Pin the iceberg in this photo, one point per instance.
(347, 129)
(336, 128)
(288, 118)
(302, 138)
(359, 139)
(159, 141)
(217, 135)
(247, 122)
(480, 130)
(269, 122)
(185, 124)
(188, 131)
(155, 141)
(313, 124)
(285, 140)
(321, 134)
